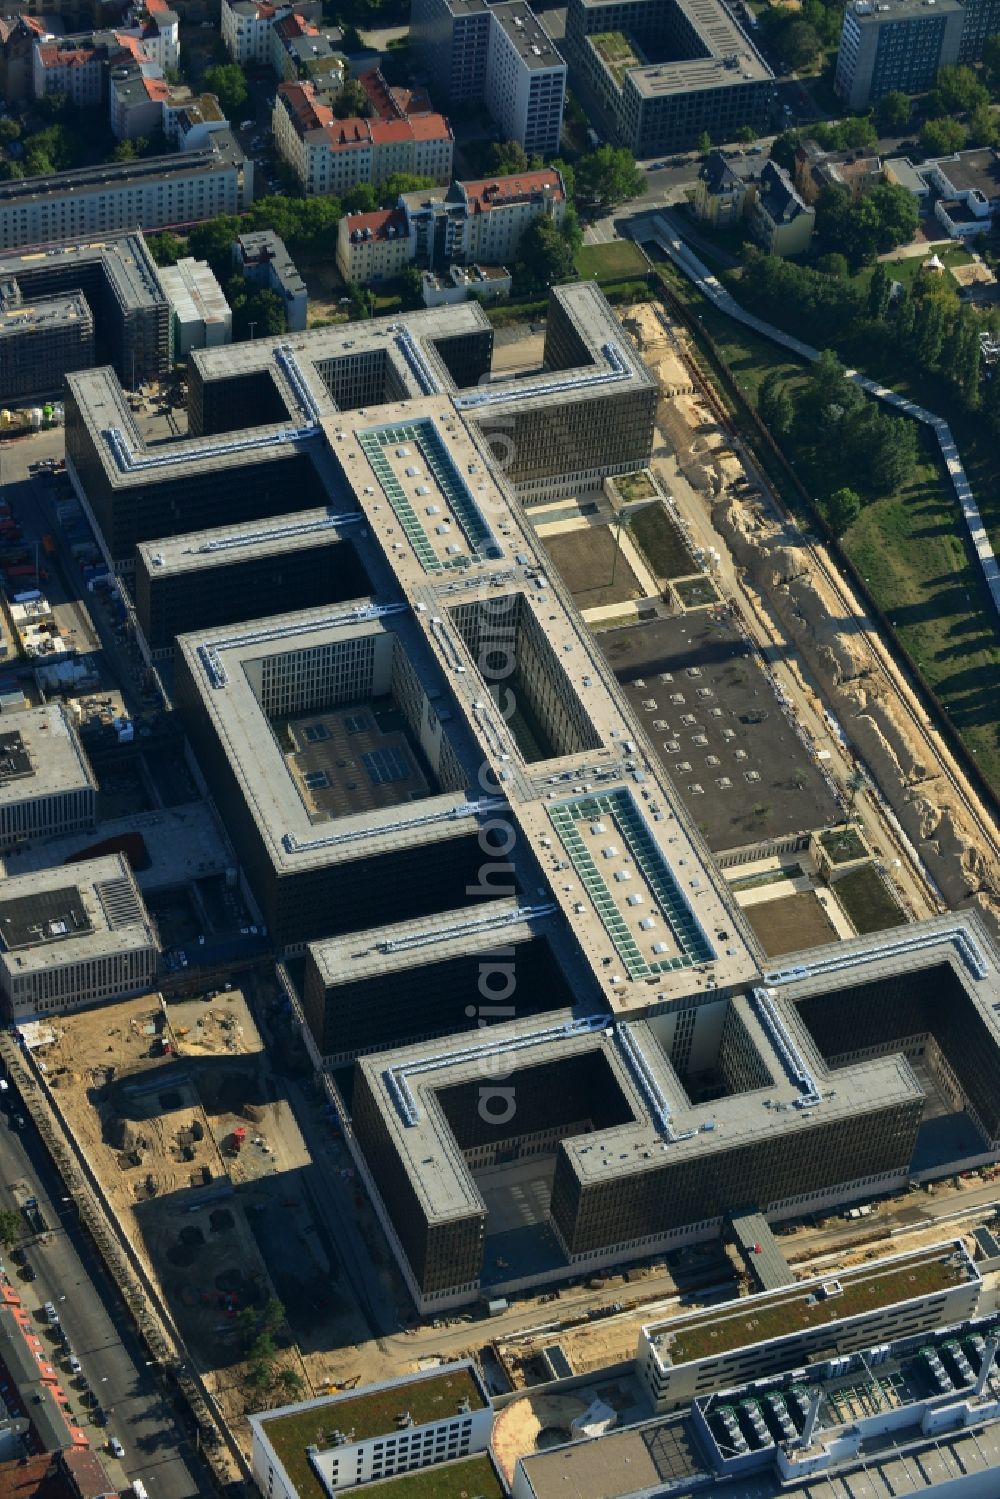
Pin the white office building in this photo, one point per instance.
(71, 937)
(417, 1421)
(202, 318)
(46, 784)
(525, 79)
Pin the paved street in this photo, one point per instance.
(158, 1448)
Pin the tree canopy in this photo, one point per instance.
(546, 254)
(228, 83)
(940, 137)
(878, 221)
(608, 176)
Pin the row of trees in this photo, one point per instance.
(926, 322)
(837, 432)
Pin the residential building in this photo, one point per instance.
(42, 342)
(816, 168)
(120, 283)
(188, 120)
(331, 155)
(202, 318)
(480, 222)
(158, 26)
(980, 21)
(373, 246)
(18, 35)
(71, 937)
(136, 97)
(499, 55)
(698, 1352)
(79, 66)
(759, 193)
(46, 784)
(525, 89)
(337, 1442)
(656, 74)
(723, 186)
(777, 217)
(247, 27)
(265, 262)
(154, 192)
(895, 44)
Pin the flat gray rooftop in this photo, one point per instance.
(881, 12)
(109, 175)
(53, 917)
(124, 259)
(38, 314)
(534, 45)
(49, 759)
(282, 534)
(719, 730)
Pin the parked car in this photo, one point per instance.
(116, 1447)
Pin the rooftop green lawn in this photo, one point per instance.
(371, 1414)
(637, 486)
(615, 261)
(472, 1478)
(759, 1319)
(661, 540)
(867, 901)
(616, 51)
(843, 844)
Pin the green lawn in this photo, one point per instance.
(615, 50)
(908, 267)
(867, 901)
(910, 547)
(472, 1479)
(661, 541)
(616, 261)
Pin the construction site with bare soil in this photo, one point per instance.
(916, 798)
(170, 1107)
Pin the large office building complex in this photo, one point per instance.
(801, 1111)
(47, 786)
(440, 798)
(548, 444)
(76, 304)
(659, 74)
(151, 192)
(898, 44)
(73, 937)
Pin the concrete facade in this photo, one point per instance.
(73, 937)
